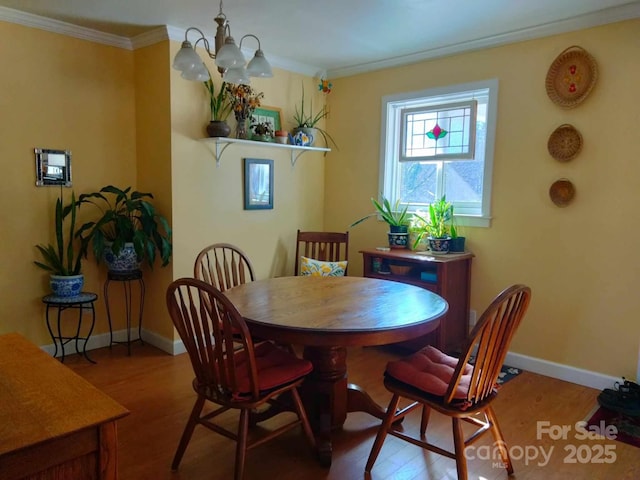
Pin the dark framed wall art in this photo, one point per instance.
(258, 184)
(53, 167)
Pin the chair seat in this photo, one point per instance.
(430, 371)
(276, 367)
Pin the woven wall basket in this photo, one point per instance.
(564, 143)
(571, 77)
(562, 192)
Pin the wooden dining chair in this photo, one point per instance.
(454, 387)
(243, 378)
(223, 265)
(323, 246)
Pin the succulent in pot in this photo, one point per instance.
(128, 221)
(306, 121)
(63, 260)
(262, 131)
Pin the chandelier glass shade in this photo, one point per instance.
(227, 55)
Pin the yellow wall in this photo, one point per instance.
(62, 93)
(582, 261)
(208, 200)
(153, 142)
(131, 120)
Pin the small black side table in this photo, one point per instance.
(82, 302)
(126, 278)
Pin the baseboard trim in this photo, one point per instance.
(102, 340)
(560, 371)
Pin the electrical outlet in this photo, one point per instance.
(473, 318)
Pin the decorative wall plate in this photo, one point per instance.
(571, 77)
(564, 143)
(562, 192)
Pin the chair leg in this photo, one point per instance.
(426, 411)
(499, 440)
(302, 415)
(241, 448)
(382, 432)
(458, 443)
(188, 431)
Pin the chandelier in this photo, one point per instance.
(227, 55)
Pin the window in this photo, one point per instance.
(440, 142)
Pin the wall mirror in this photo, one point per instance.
(53, 167)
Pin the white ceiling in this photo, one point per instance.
(342, 37)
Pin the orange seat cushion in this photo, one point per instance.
(430, 370)
(276, 367)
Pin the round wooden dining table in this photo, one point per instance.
(327, 314)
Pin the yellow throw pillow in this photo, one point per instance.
(316, 268)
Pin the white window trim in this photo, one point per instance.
(389, 126)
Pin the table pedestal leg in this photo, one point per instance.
(329, 397)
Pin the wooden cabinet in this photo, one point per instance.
(53, 423)
(447, 275)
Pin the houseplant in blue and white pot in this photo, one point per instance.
(437, 226)
(128, 231)
(396, 216)
(63, 260)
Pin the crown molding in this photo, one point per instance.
(602, 17)
(595, 19)
(157, 35)
(56, 26)
(151, 37)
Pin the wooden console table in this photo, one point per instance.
(53, 423)
(447, 275)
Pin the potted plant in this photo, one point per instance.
(396, 216)
(262, 132)
(438, 226)
(128, 231)
(417, 239)
(457, 241)
(306, 128)
(62, 260)
(220, 107)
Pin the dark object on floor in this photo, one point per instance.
(624, 398)
(628, 428)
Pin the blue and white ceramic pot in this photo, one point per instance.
(125, 261)
(66, 285)
(398, 240)
(439, 246)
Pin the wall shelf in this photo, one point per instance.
(220, 144)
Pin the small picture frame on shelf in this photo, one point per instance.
(270, 115)
(258, 184)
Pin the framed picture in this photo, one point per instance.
(53, 167)
(258, 184)
(270, 115)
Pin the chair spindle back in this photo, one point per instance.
(215, 336)
(489, 342)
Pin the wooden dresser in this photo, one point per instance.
(447, 275)
(53, 423)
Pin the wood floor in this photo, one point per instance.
(156, 388)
